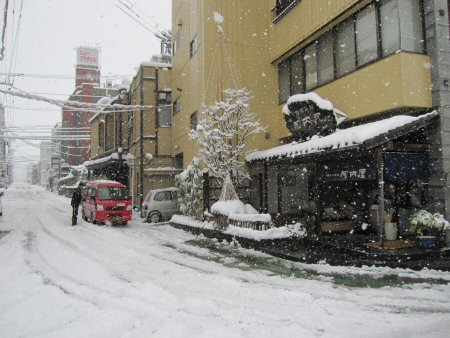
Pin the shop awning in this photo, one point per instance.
(103, 162)
(362, 137)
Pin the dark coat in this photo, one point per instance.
(76, 197)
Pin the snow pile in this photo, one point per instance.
(186, 220)
(233, 207)
(342, 138)
(291, 230)
(287, 231)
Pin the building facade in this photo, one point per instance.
(138, 140)
(374, 60)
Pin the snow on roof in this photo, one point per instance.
(106, 182)
(163, 169)
(321, 103)
(339, 115)
(156, 64)
(113, 156)
(342, 138)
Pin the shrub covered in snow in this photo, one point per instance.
(425, 223)
(222, 133)
(189, 184)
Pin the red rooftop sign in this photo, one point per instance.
(87, 57)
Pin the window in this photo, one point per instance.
(194, 45)
(310, 59)
(194, 121)
(282, 6)
(101, 134)
(179, 160)
(390, 27)
(176, 106)
(411, 26)
(162, 196)
(325, 65)
(353, 44)
(174, 196)
(112, 193)
(345, 48)
(297, 75)
(165, 115)
(283, 80)
(366, 35)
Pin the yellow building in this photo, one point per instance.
(370, 59)
(280, 48)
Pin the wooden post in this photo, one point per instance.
(205, 191)
(380, 168)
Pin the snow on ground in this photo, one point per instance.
(151, 281)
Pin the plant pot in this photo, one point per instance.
(426, 242)
(390, 230)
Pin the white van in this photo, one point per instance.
(160, 204)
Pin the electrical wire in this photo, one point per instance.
(15, 46)
(71, 104)
(5, 17)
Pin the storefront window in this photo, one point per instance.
(366, 35)
(310, 58)
(345, 48)
(294, 189)
(272, 190)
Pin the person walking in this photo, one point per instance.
(75, 202)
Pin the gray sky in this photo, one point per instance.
(48, 34)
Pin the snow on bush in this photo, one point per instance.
(226, 208)
(222, 133)
(426, 223)
(189, 184)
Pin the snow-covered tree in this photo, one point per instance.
(189, 184)
(223, 131)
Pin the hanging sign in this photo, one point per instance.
(306, 119)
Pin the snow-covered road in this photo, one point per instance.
(155, 281)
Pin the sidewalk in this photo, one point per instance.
(352, 250)
(338, 250)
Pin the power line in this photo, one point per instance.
(71, 104)
(5, 17)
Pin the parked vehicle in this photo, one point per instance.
(106, 201)
(160, 204)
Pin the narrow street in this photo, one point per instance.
(152, 280)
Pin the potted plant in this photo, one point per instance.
(428, 228)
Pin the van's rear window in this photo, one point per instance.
(112, 193)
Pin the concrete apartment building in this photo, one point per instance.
(374, 60)
(133, 146)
